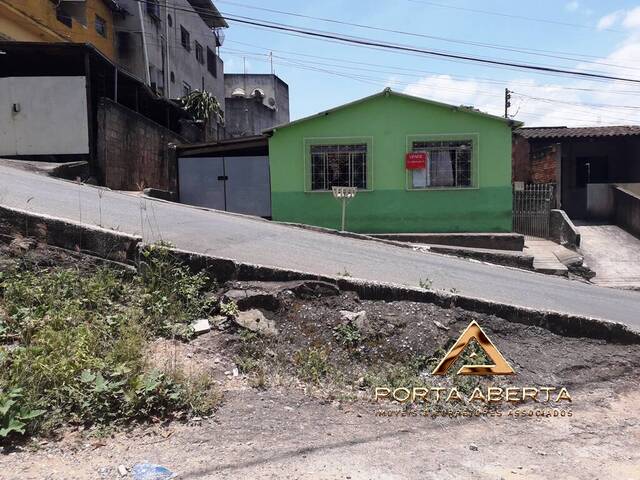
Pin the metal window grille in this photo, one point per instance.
(185, 38)
(64, 17)
(101, 26)
(199, 53)
(450, 164)
(338, 166)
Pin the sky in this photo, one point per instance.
(578, 35)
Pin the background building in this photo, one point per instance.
(254, 103)
(173, 45)
(462, 184)
(582, 164)
(88, 21)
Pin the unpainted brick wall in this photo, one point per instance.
(544, 162)
(520, 167)
(132, 150)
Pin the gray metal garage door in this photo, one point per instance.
(234, 184)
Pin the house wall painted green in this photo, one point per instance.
(387, 123)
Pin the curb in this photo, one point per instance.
(125, 248)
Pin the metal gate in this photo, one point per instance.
(234, 184)
(532, 208)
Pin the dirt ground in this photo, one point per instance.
(283, 427)
(278, 435)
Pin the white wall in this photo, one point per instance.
(52, 119)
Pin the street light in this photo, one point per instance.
(345, 194)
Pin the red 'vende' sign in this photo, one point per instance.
(416, 160)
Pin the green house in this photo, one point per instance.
(458, 180)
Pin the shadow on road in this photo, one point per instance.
(291, 454)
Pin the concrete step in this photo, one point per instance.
(550, 266)
(544, 255)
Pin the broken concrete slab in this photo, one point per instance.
(255, 321)
(201, 326)
(358, 319)
(253, 298)
(568, 257)
(314, 289)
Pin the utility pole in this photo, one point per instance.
(507, 102)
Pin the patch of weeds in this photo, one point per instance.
(81, 340)
(425, 283)
(407, 374)
(229, 309)
(14, 415)
(172, 296)
(246, 363)
(344, 273)
(393, 376)
(258, 378)
(347, 334)
(199, 394)
(312, 364)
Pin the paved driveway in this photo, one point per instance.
(271, 244)
(613, 253)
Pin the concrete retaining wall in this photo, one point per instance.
(494, 241)
(562, 230)
(122, 247)
(627, 210)
(98, 241)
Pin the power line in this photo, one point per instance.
(350, 64)
(526, 51)
(594, 105)
(405, 48)
(387, 82)
(509, 15)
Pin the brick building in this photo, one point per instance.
(581, 162)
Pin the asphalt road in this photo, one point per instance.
(266, 243)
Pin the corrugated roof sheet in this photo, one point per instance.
(580, 132)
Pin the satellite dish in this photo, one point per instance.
(271, 101)
(237, 92)
(257, 93)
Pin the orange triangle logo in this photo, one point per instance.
(474, 332)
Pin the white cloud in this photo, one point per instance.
(609, 20)
(571, 102)
(632, 18)
(572, 6)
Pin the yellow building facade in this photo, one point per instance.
(88, 21)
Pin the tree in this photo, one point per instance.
(203, 106)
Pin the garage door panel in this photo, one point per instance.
(248, 186)
(199, 184)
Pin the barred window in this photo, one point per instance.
(449, 164)
(338, 166)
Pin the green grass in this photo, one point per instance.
(72, 344)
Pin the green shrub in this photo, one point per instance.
(14, 416)
(172, 297)
(229, 309)
(80, 342)
(347, 335)
(312, 364)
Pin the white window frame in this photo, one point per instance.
(474, 138)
